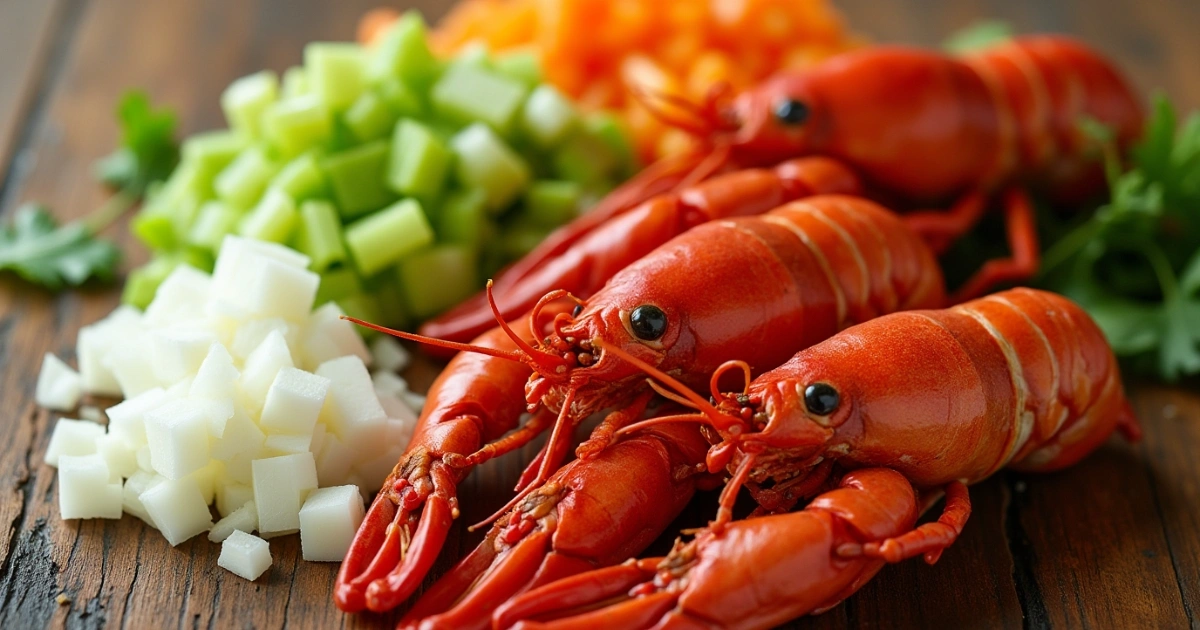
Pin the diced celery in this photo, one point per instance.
(386, 291)
(357, 178)
(295, 82)
(162, 227)
(403, 100)
(482, 160)
(547, 116)
(586, 160)
(473, 55)
(467, 94)
(550, 203)
(185, 181)
(242, 182)
(522, 65)
(142, 282)
(404, 53)
(383, 238)
(336, 71)
(301, 178)
(293, 125)
(437, 278)
(519, 239)
(212, 224)
(418, 162)
(212, 151)
(361, 306)
(245, 100)
(612, 132)
(463, 218)
(337, 283)
(273, 219)
(319, 234)
(369, 117)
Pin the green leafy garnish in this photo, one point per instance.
(979, 35)
(36, 248)
(1135, 264)
(148, 151)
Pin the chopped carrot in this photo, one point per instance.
(601, 51)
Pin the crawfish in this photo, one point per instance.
(759, 288)
(915, 125)
(944, 399)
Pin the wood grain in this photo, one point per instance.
(1113, 542)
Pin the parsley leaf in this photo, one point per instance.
(37, 249)
(148, 151)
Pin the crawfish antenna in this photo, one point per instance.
(718, 419)
(441, 343)
(544, 362)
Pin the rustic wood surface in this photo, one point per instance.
(1111, 543)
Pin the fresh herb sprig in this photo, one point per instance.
(42, 252)
(1135, 264)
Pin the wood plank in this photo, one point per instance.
(28, 34)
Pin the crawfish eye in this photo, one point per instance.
(791, 112)
(648, 322)
(821, 399)
(577, 310)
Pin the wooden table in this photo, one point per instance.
(1111, 543)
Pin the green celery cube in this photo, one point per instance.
(336, 72)
(379, 240)
(419, 161)
(586, 160)
(551, 203)
(473, 55)
(319, 234)
(242, 182)
(386, 291)
(185, 181)
(301, 178)
(293, 125)
(142, 282)
(521, 65)
(547, 116)
(437, 278)
(213, 223)
(467, 94)
(608, 129)
(519, 239)
(464, 218)
(295, 82)
(212, 151)
(357, 177)
(369, 117)
(403, 100)
(337, 283)
(483, 161)
(245, 100)
(273, 219)
(364, 307)
(404, 53)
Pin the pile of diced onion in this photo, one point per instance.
(236, 393)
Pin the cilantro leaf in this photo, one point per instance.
(37, 249)
(148, 151)
(982, 34)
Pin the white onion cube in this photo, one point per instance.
(397, 408)
(262, 281)
(217, 378)
(178, 352)
(180, 297)
(243, 519)
(389, 356)
(118, 454)
(327, 336)
(232, 495)
(240, 437)
(177, 509)
(293, 402)
(388, 383)
(72, 437)
(58, 386)
(128, 419)
(328, 521)
(84, 489)
(139, 482)
(206, 479)
(283, 444)
(96, 341)
(245, 555)
(373, 471)
(133, 367)
(352, 409)
(177, 433)
(334, 462)
(280, 486)
(250, 334)
(263, 365)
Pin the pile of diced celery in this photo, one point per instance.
(407, 180)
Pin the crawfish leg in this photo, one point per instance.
(602, 435)
(1022, 240)
(940, 228)
(930, 539)
(507, 444)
